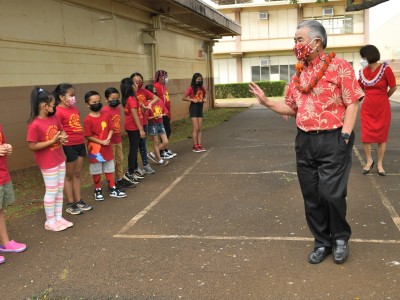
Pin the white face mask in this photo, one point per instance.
(166, 80)
(363, 63)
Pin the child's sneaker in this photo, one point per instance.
(66, 223)
(12, 246)
(116, 193)
(139, 174)
(98, 195)
(132, 178)
(200, 147)
(2, 259)
(166, 155)
(73, 209)
(196, 149)
(172, 154)
(83, 206)
(124, 184)
(149, 169)
(163, 162)
(152, 156)
(54, 226)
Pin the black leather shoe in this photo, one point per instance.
(340, 251)
(319, 254)
(366, 171)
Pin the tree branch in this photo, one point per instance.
(364, 5)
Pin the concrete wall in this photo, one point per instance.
(91, 44)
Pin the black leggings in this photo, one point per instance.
(167, 125)
(134, 136)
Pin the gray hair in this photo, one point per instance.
(316, 30)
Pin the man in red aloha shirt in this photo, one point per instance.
(324, 96)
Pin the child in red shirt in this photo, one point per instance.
(98, 131)
(160, 81)
(45, 138)
(143, 96)
(133, 125)
(114, 110)
(6, 198)
(74, 149)
(156, 129)
(196, 94)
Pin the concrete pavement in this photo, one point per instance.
(225, 224)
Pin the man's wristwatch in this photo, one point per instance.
(345, 136)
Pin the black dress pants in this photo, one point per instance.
(323, 168)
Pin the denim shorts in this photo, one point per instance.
(156, 129)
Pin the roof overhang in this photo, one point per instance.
(193, 15)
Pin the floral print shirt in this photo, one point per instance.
(324, 108)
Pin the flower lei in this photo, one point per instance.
(374, 80)
(300, 67)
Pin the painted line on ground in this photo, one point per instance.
(136, 218)
(244, 238)
(385, 201)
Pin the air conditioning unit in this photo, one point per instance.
(264, 62)
(263, 15)
(327, 12)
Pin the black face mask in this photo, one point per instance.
(52, 113)
(114, 103)
(96, 107)
(199, 83)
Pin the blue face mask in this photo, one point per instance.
(114, 102)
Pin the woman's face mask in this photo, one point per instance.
(303, 51)
(363, 62)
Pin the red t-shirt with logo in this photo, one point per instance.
(115, 115)
(71, 121)
(142, 95)
(99, 127)
(162, 93)
(157, 109)
(4, 173)
(129, 121)
(42, 130)
(200, 94)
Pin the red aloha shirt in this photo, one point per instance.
(324, 107)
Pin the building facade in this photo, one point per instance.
(264, 50)
(93, 45)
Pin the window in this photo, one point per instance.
(337, 24)
(273, 72)
(255, 73)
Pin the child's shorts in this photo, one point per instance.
(156, 129)
(7, 196)
(102, 167)
(196, 110)
(72, 152)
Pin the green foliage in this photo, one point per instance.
(241, 90)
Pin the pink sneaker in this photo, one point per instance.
(12, 246)
(64, 222)
(200, 147)
(2, 259)
(54, 226)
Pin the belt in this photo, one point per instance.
(319, 131)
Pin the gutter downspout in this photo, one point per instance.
(210, 67)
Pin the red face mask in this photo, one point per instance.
(303, 51)
(140, 84)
